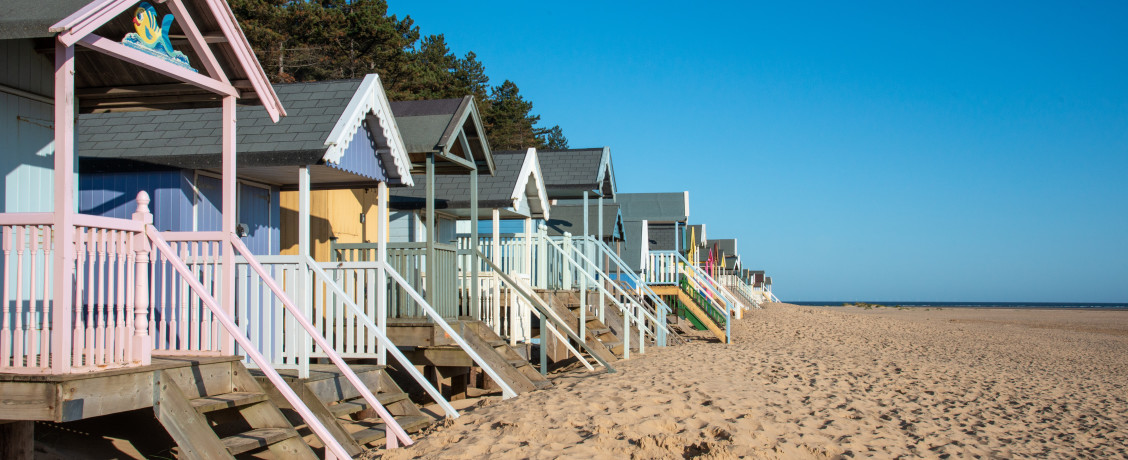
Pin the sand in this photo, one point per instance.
(831, 382)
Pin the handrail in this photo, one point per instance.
(659, 305)
(389, 421)
(331, 444)
(408, 366)
(546, 311)
(506, 391)
(709, 282)
(641, 324)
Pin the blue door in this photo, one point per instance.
(209, 202)
(254, 218)
(254, 206)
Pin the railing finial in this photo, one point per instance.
(142, 214)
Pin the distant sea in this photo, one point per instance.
(1058, 305)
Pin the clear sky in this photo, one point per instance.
(912, 151)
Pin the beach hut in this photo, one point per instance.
(84, 294)
(657, 221)
(446, 144)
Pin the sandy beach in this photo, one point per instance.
(832, 382)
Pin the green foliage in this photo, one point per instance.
(309, 40)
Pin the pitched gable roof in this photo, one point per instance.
(516, 186)
(568, 173)
(324, 119)
(451, 129)
(570, 218)
(655, 207)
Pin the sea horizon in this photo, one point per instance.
(889, 303)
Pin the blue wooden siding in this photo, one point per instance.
(177, 207)
(360, 156)
(27, 149)
(115, 195)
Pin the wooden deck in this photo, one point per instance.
(70, 397)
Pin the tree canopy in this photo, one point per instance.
(304, 40)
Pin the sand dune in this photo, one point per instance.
(818, 382)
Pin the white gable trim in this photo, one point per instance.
(530, 168)
(369, 99)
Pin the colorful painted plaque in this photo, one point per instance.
(152, 38)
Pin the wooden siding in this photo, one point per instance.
(115, 195)
(26, 128)
(333, 213)
(360, 156)
(176, 206)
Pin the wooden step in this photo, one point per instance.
(410, 424)
(257, 438)
(352, 406)
(601, 331)
(226, 400)
(518, 362)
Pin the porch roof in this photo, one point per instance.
(569, 173)
(570, 218)
(108, 83)
(655, 207)
(449, 128)
(325, 119)
(516, 188)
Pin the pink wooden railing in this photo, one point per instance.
(104, 286)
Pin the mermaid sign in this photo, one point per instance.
(152, 38)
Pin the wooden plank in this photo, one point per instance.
(346, 408)
(410, 424)
(338, 388)
(79, 399)
(186, 426)
(693, 308)
(27, 401)
(203, 380)
(225, 401)
(256, 439)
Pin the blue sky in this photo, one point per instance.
(908, 151)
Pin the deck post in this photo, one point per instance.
(583, 250)
(142, 343)
(603, 268)
(303, 290)
(526, 313)
(495, 255)
(429, 283)
(474, 300)
(230, 215)
(63, 286)
(382, 273)
(17, 440)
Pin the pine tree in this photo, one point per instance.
(509, 122)
(553, 138)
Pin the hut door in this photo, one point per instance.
(209, 198)
(254, 218)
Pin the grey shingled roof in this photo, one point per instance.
(192, 138)
(422, 124)
(570, 219)
(572, 170)
(728, 246)
(33, 18)
(453, 191)
(655, 207)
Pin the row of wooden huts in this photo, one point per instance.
(256, 269)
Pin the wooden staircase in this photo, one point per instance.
(675, 335)
(218, 410)
(600, 338)
(341, 408)
(691, 308)
(512, 358)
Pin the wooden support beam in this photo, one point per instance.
(132, 56)
(62, 289)
(474, 300)
(196, 39)
(17, 440)
(229, 211)
(432, 270)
